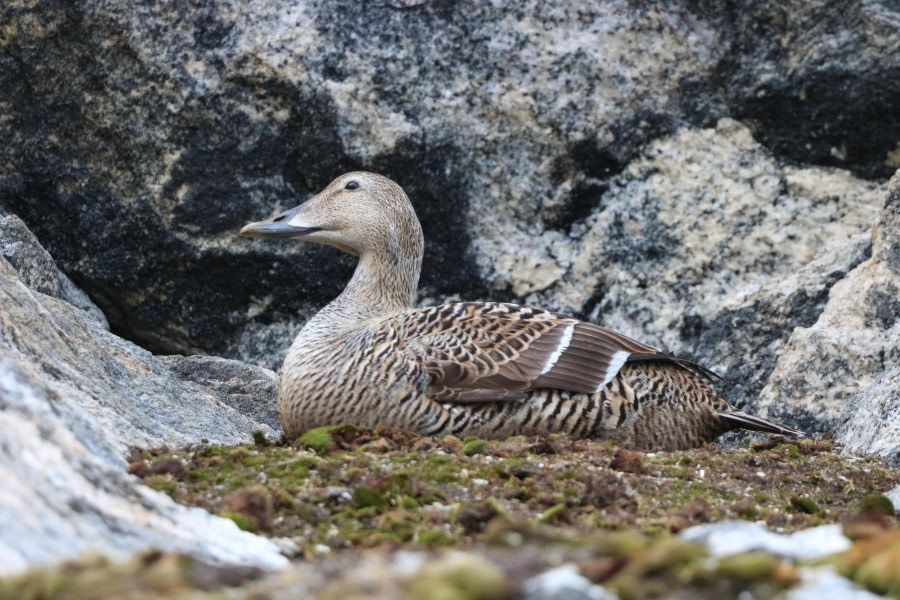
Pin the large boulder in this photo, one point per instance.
(138, 139)
(705, 180)
(853, 343)
(75, 400)
(870, 422)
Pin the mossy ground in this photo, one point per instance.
(350, 499)
(342, 487)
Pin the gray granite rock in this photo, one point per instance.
(247, 389)
(137, 143)
(113, 394)
(74, 400)
(36, 268)
(870, 422)
(836, 369)
(62, 496)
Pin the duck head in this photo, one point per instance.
(360, 213)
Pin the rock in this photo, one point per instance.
(138, 143)
(822, 583)
(74, 400)
(870, 422)
(37, 270)
(728, 538)
(894, 497)
(117, 395)
(727, 293)
(247, 389)
(62, 496)
(848, 348)
(564, 583)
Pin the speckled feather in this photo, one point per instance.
(485, 369)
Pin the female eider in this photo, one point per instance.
(486, 369)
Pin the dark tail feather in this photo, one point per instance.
(695, 368)
(741, 420)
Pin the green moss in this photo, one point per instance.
(198, 475)
(254, 461)
(319, 439)
(162, 483)
(553, 513)
(751, 566)
(762, 497)
(790, 450)
(651, 565)
(435, 537)
(367, 497)
(392, 491)
(242, 521)
(303, 465)
(150, 575)
(398, 529)
(804, 504)
(473, 446)
(881, 572)
(747, 511)
(259, 438)
(876, 505)
(458, 577)
(410, 503)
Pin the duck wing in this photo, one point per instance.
(495, 352)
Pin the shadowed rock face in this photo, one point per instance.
(661, 172)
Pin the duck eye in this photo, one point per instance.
(352, 185)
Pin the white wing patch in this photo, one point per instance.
(563, 344)
(618, 359)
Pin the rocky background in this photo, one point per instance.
(709, 177)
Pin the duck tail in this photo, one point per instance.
(738, 419)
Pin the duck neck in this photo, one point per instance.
(383, 283)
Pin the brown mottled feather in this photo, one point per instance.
(471, 368)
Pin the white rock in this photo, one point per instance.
(74, 399)
(736, 537)
(564, 583)
(822, 583)
(59, 498)
(894, 497)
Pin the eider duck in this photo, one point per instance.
(486, 369)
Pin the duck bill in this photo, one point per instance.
(278, 227)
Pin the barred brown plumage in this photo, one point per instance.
(470, 368)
